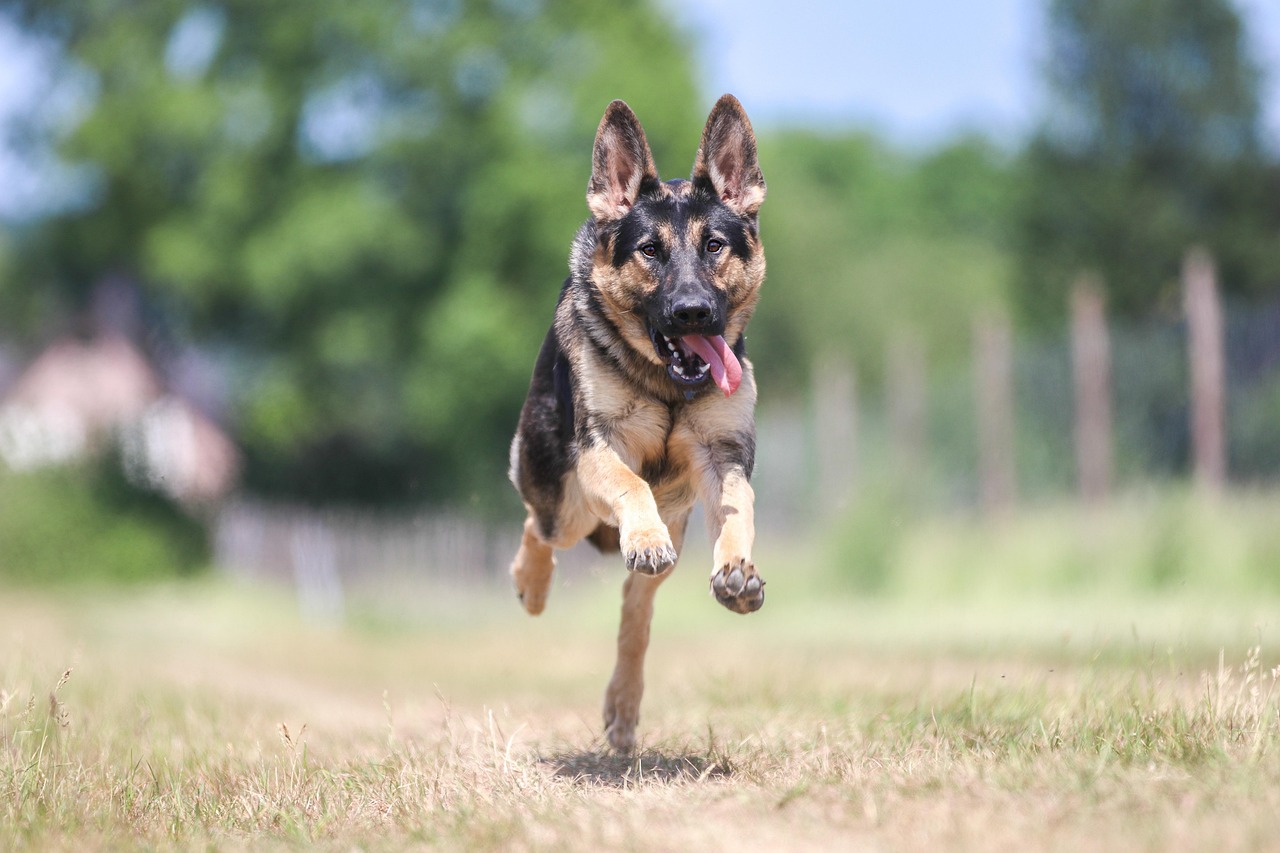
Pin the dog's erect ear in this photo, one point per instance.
(727, 158)
(621, 164)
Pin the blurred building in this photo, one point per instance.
(82, 398)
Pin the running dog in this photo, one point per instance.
(642, 399)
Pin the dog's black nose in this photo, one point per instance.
(693, 312)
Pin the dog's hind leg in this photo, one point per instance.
(626, 687)
(532, 567)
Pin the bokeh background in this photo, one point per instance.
(273, 277)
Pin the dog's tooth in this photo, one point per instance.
(671, 346)
(678, 369)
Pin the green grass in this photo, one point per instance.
(206, 715)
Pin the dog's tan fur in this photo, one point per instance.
(643, 449)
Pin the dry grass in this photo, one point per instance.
(205, 715)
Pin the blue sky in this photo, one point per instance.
(918, 70)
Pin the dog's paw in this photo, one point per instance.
(534, 599)
(738, 586)
(621, 714)
(649, 552)
(532, 579)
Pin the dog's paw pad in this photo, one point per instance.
(738, 587)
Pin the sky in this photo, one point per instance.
(918, 71)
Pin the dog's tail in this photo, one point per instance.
(605, 538)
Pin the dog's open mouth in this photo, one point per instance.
(692, 359)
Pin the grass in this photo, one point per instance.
(205, 714)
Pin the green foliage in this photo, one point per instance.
(866, 543)
(89, 525)
(1155, 543)
(865, 244)
(370, 202)
(1254, 440)
(367, 207)
(1152, 145)
(370, 208)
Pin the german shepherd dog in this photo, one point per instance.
(642, 399)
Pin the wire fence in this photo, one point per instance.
(1035, 419)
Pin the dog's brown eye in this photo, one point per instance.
(649, 250)
(714, 246)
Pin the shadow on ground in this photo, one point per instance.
(606, 768)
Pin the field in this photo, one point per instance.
(207, 714)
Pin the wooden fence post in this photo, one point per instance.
(993, 374)
(1208, 370)
(1091, 370)
(835, 396)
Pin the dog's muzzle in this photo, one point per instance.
(692, 358)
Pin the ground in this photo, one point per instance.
(209, 714)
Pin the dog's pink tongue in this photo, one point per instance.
(725, 369)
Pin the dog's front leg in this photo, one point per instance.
(730, 504)
(644, 539)
(649, 552)
(626, 687)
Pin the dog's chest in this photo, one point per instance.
(658, 443)
(662, 442)
(641, 432)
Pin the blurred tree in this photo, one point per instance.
(369, 205)
(1152, 143)
(865, 243)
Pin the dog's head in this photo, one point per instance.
(678, 265)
